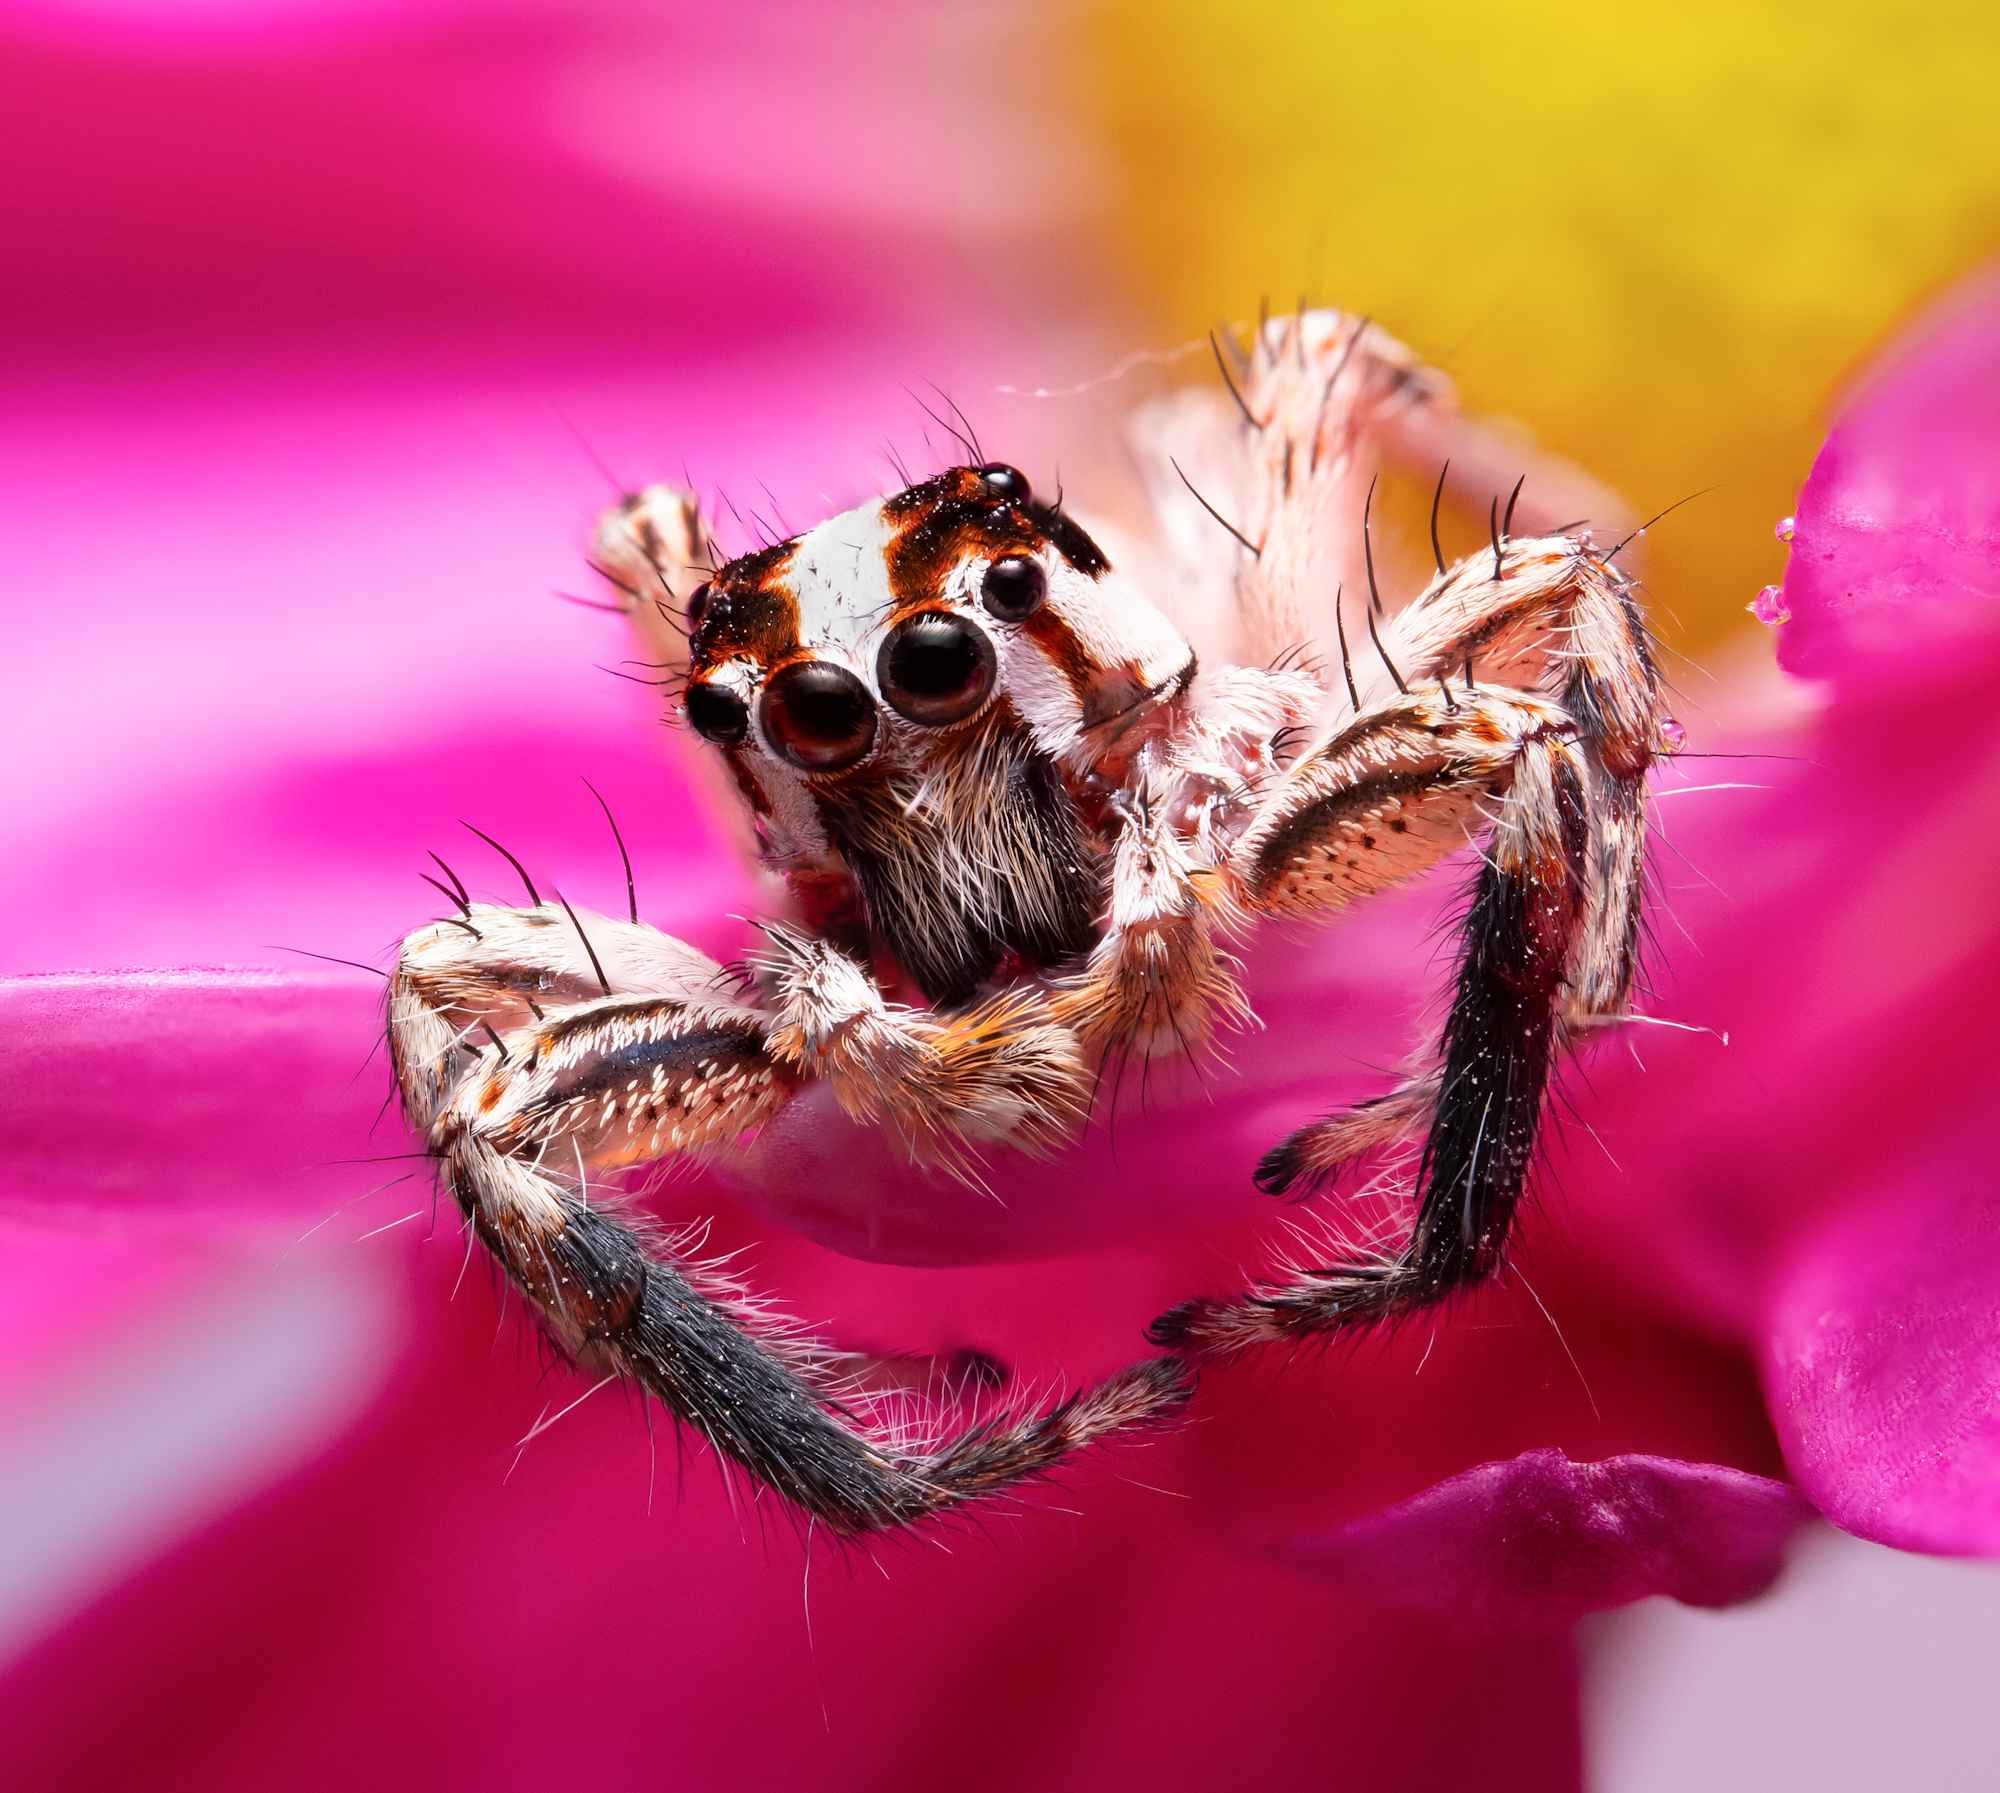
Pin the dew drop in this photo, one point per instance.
(1787, 528)
(1672, 733)
(1769, 606)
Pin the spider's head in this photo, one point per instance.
(874, 642)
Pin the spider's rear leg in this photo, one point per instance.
(1285, 444)
(1387, 796)
(652, 548)
(548, 1082)
(1280, 462)
(1316, 1154)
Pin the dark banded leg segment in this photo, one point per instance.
(1485, 1099)
(767, 1399)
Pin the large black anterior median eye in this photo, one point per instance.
(717, 713)
(1014, 587)
(819, 716)
(935, 668)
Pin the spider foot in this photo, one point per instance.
(1305, 1161)
(1324, 1300)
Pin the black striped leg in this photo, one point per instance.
(1557, 617)
(1389, 795)
(547, 1091)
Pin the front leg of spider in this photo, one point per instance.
(542, 1049)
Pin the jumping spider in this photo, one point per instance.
(996, 776)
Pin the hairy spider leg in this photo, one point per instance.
(669, 1062)
(1551, 931)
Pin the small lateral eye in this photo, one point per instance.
(1014, 587)
(697, 605)
(1005, 481)
(716, 712)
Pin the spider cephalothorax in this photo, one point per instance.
(993, 774)
(910, 698)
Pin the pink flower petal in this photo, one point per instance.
(1540, 1539)
(1883, 1365)
(1834, 928)
(418, 1608)
(429, 174)
(256, 1111)
(324, 855)
(171, 1096)
(149, 1382)
(62, 1292)
(1896, 556)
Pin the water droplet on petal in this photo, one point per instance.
(1787, 528)
(1769, 606)
(1672, 733)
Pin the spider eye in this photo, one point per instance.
(717, 713)
(818, 716)
(1014, 587)
(697, 605)
(936, 669)
(1005, 481)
